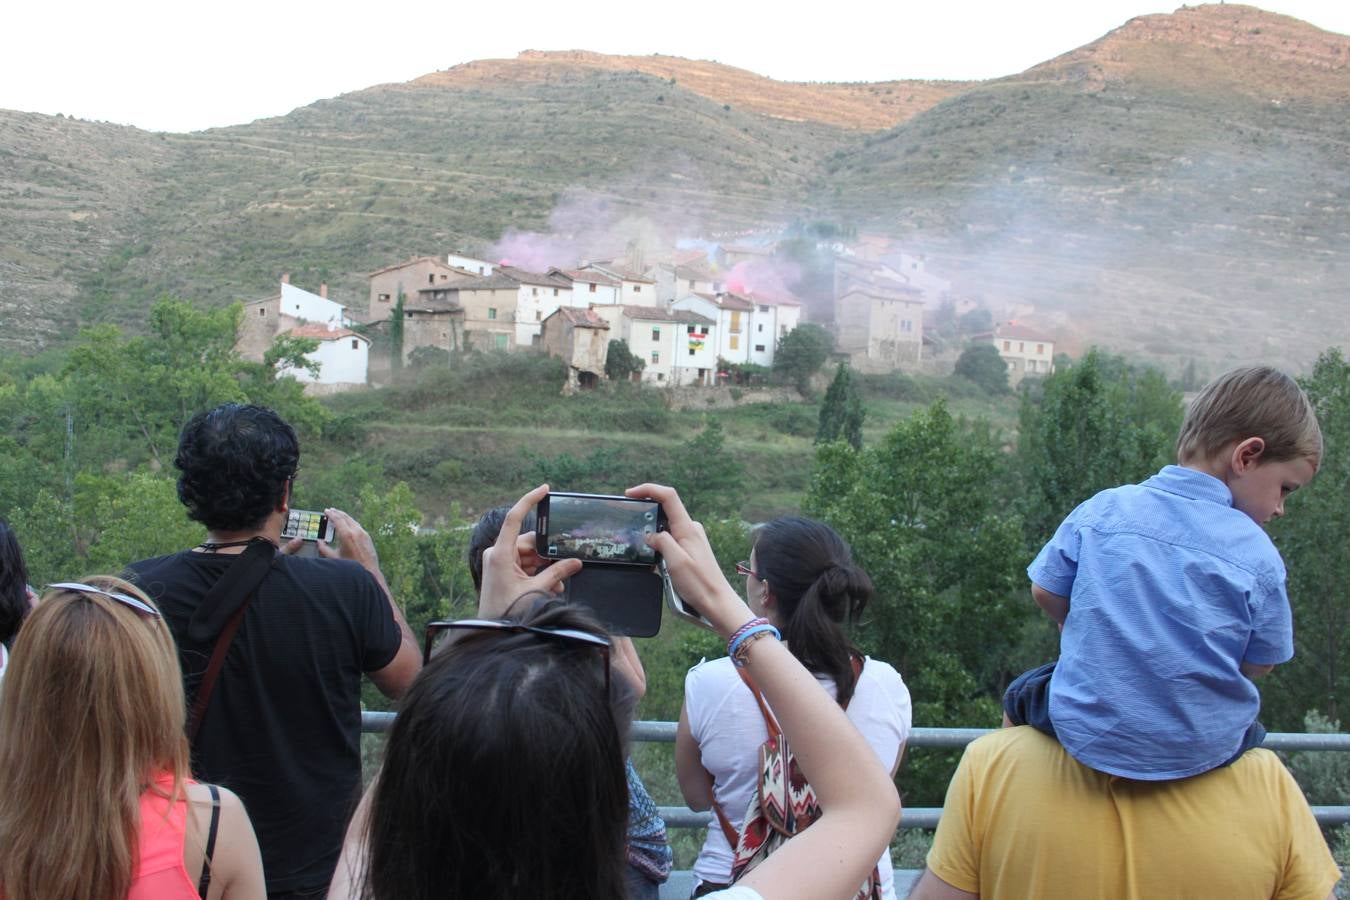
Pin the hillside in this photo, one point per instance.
(1178, 189)
(862, 106)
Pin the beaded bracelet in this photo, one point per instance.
(739, 649)
(735, 635)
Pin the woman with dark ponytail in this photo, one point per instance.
(801, 578)
(16, 597)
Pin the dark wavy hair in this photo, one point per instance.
(504, 771)
(817, 588)
(235, 461)
(13, 584)
(484, 535)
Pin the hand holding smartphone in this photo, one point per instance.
(309, 526)
(618, 581)
(598, 528)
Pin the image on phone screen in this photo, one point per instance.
(601, 529)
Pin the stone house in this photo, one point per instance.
(1025, 350)
(264, 319)
(580, 337)
(880, 330)
(591, 288)
(407, 278)
(429, 321)
(734, 317)
(489, 309)
(537, 297)
(677, 346)
(635, 288)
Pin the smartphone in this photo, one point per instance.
(679, 606)
(307, 524)
(598, 528)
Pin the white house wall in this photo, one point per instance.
(301, 304)
(344, 360)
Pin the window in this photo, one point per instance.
(735, 323)
(735, 342)
(431, 279)
(408, 314)
(534, 292)
(691, 351)
(555, 292)
(759, 348)
(691, 284)
(761, 327)
(492, 312)
(763, 308)
(656, 357)
(592, 287)
(383, 298)
(782, 330)
(500, 341)
(907, 325)
(656, 334)
(262, 310)
(355, 344)
(444, 277)
(660, 376)
(1007, 346)
(1040, 349)
(538, 315)
(637, 288)
(1021, 347)
(689, 330)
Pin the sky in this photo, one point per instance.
(185, 66)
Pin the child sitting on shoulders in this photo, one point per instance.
(1170, 595)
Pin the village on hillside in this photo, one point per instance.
(695, 317)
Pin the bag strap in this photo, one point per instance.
(225, 603)
(204, 883)
(731, 834)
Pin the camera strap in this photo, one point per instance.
(220, 613)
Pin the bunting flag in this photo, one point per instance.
(697, 340)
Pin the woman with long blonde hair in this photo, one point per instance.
(96, 802)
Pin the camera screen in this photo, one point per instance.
(601, 529)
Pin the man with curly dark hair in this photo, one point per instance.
(282, 724)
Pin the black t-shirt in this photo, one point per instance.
(283, 727)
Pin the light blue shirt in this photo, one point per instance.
(1170, 588)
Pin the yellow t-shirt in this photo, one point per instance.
(1024, 819)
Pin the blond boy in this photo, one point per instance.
(1170, 594)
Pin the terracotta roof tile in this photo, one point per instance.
(322, 332)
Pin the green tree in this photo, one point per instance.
(1314, 539)
(842, 413)
(396, 335)
(927, 513)
(621, 363)
(800, 354)
(710, 480)
(981, 364)
(1093, 425)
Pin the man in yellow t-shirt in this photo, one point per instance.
(1024, 819)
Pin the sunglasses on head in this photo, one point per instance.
(125, 599)
(565, 635)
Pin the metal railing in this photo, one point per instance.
(940, 738)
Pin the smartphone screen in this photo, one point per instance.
(598, 528)
(307, 524)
